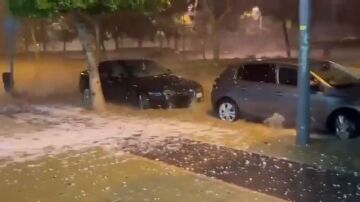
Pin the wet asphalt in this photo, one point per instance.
(280, 178)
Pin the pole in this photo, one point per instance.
(303, 123)
(12, 27)
(11, 48)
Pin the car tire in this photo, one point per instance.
(227, 110)
(346, 126)
(144, 101)
(86, 98)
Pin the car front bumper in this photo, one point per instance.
(178, 100)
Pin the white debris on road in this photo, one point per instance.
(69, 128)
(276, 120)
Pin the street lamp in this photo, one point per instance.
(257, 16)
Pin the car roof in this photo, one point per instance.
(125, 61)
(293, 62)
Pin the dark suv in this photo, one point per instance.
(258, 89)
(143, 83)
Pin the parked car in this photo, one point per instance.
(258, 89)
(143, 83)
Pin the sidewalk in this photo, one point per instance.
(96, 175)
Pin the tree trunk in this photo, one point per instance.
(64, 46)
(97, 96)
(286, 38)
(161, 43)
(116, 43)
(140, 43)
(121, 40)
(183, 42)
(176, 43)
(45, 46)
(216, 42)
(203, 48)
(168, 40)
(34, 41)
(26, 44)
(98, 40)
(103, 47)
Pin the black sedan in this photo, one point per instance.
(143, 83)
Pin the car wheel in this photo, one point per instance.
(228, 110)
(346, 127)
(86, 97)
(144, 102)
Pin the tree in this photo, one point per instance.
(62, 30)
(139, 27)
(217, 12)
(84, 14)
(170, 23)
(66, 31)
(284, 11)
(31, 34)
(115, 27)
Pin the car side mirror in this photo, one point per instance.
(314, 85)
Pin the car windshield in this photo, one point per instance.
(148, 68)
(335, 74)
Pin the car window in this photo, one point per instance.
(264, 73)
(105, 70)
(118, 71)
(288, 76)
(238, 72)
(112, 70)
(142, 69)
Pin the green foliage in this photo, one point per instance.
(50, 8)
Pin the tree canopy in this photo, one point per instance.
(50, 8)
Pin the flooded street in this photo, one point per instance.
(96, 175)
(71, 154)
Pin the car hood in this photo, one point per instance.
(165, 82)
(347, 91)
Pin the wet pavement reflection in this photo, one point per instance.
(277, 177)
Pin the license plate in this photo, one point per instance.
(199, 95)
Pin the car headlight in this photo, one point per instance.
(169, 93)
(199, 93)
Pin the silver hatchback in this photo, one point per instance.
(257, 89)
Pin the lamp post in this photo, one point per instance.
(303, 113)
